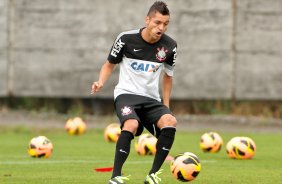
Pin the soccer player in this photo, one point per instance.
(143, 55)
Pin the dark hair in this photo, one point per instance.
(160, 7)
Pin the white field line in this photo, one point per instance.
(79, 162)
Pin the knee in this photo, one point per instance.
(167, 120)
(131, 125)
(172, 121)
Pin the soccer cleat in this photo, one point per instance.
(118, 180)
(153, 178)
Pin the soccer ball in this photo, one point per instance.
(112, 132)
(229, 147)
(241, 148)
(40, 147)
(75, 126)
(211, 142)
(146, 144)
(185, 166)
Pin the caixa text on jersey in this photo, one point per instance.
(144, 67)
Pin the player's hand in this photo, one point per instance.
(96, 87)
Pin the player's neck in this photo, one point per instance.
(147, 37)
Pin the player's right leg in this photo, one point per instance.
(129, 129)
(126, 111)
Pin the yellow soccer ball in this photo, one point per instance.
(40, 147)
(241, 148)
(112, 132)
(146, 144)
(185, 167)
(211, 142)
(75, 126)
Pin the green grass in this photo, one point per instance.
(75, 157)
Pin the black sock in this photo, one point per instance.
(122, 151)
(163, 146)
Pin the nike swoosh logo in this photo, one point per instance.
(123, 151)
(165, 149)
(136, 50)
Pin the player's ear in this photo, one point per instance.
(147, 20)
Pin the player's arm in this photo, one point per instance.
(105, 72)
(167, 77)
(166, 89)
(115, 57)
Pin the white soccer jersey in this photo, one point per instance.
(141, 63)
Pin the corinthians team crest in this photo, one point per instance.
(161, 55)
(126, 111)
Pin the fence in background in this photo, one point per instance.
(226, 48)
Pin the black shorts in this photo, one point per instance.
(147, 111)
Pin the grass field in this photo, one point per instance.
(75, 157)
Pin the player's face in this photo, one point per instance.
(157, 25)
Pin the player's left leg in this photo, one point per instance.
(167, 126)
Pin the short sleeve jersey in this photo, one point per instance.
(142, 63)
